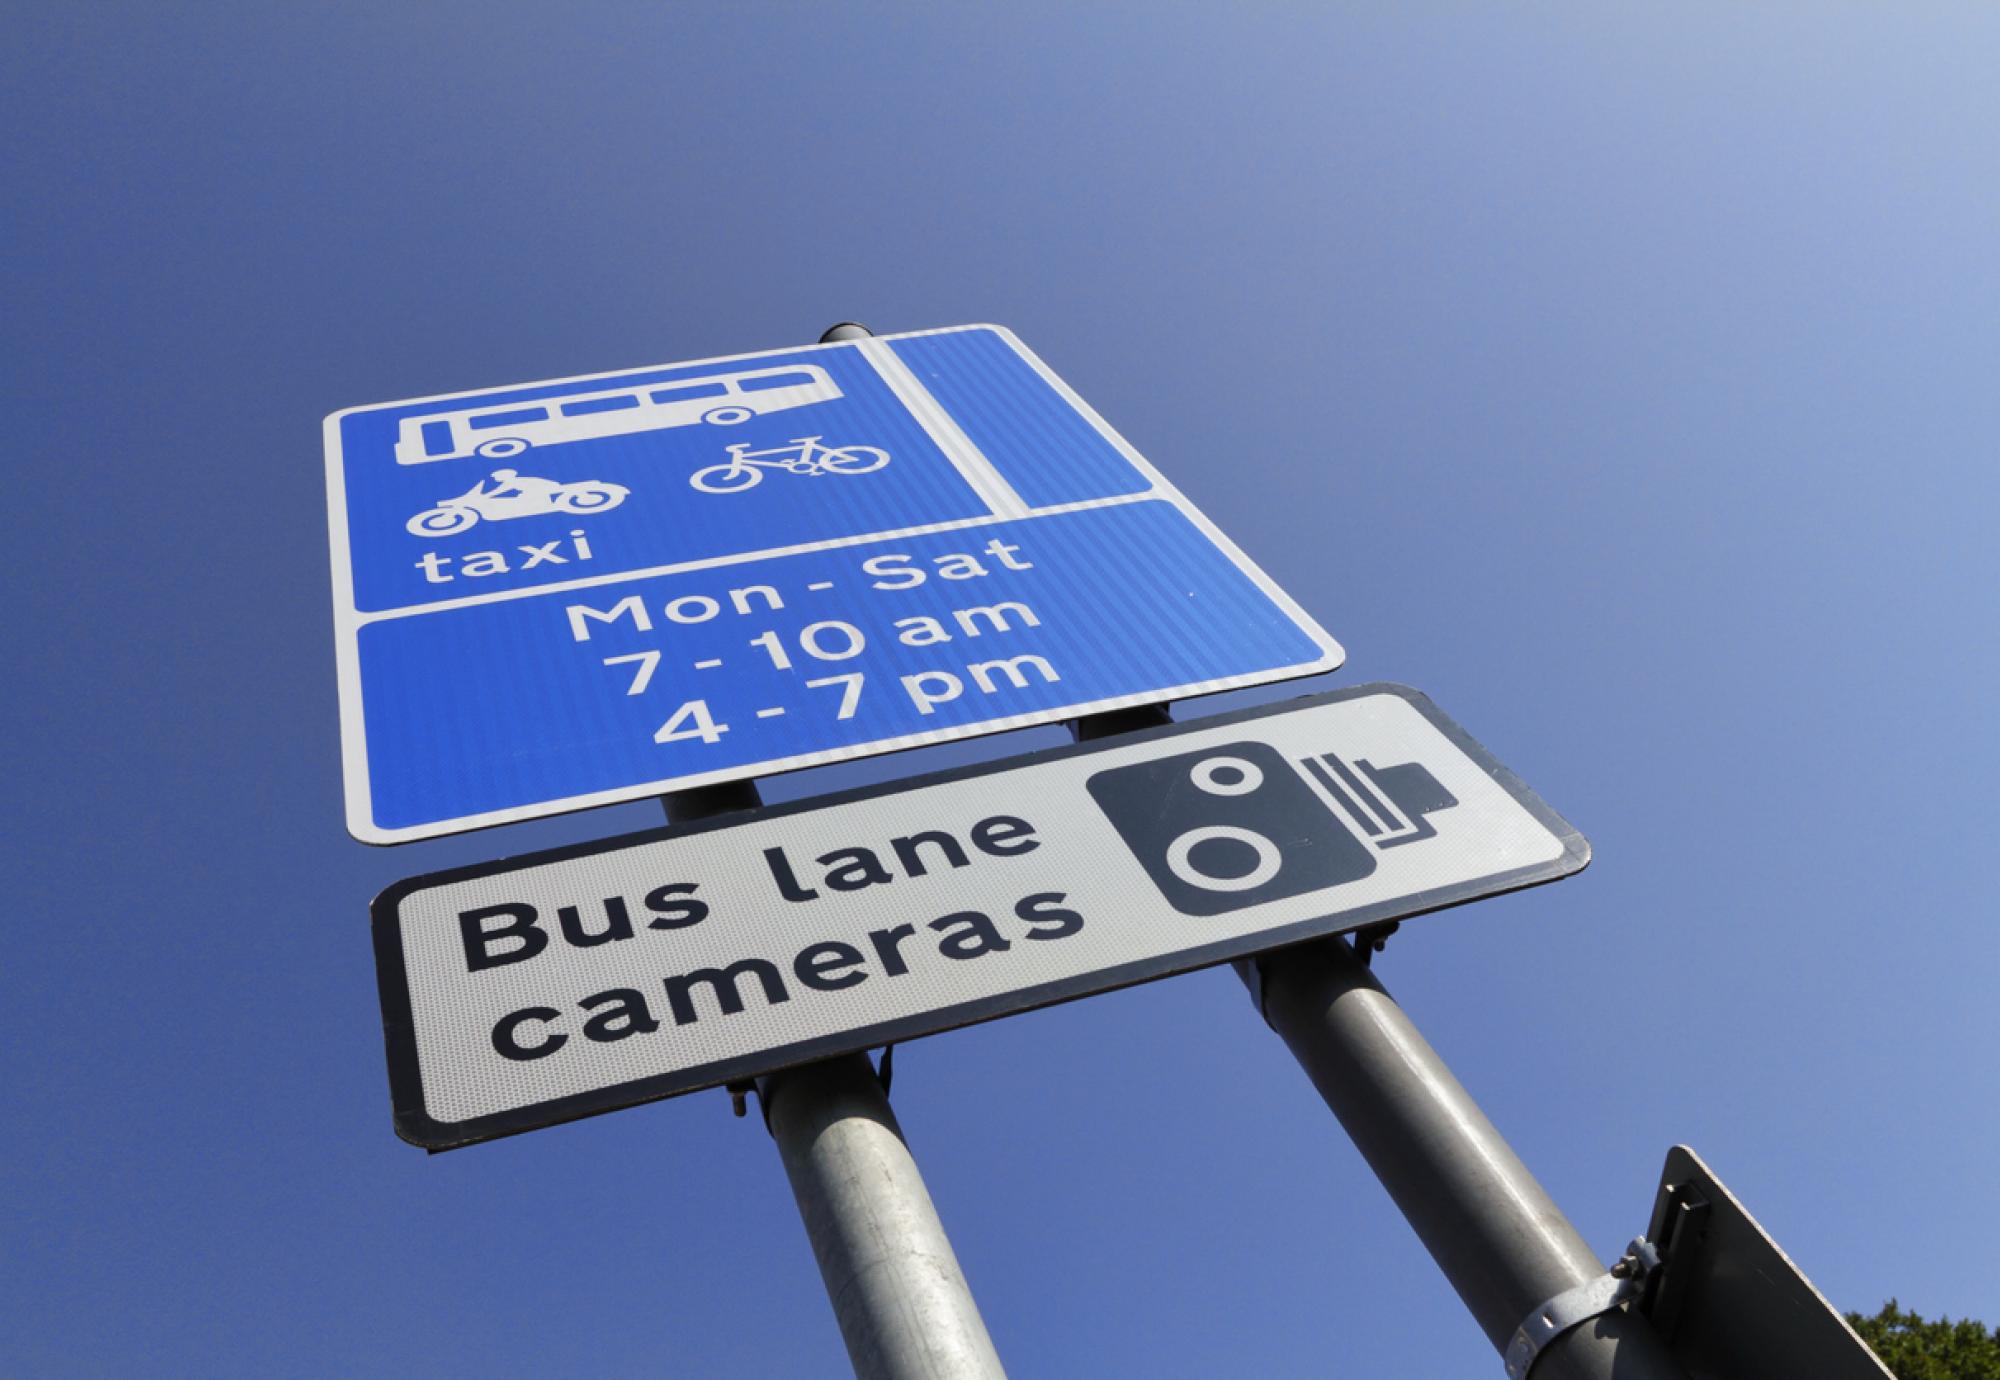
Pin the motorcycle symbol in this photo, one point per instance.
(514, 495)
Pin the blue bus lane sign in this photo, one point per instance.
(589, 590)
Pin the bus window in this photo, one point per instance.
(519, 414)
(752, 385)
(692, 390)
(590, 405)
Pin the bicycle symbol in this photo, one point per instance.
(803, 455)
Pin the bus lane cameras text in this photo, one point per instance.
(830, 640)
(495, 936)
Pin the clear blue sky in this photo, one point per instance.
(1624, 379)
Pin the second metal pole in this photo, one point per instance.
(1501, 1241)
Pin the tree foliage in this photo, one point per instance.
(1918, 1350)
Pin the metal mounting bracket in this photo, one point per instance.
(1579, 1305)
(1370, 940)
(739, 1093)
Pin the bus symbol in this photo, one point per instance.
(496, 433)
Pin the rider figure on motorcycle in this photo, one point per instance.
(509, 483)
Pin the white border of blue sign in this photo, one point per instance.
(348, 621)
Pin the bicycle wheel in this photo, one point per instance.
(726, 478)
(853, 459)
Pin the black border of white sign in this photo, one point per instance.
(966, 894)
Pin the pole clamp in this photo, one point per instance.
(1573, 1307)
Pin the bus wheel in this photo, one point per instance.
(727, 416)
(500, 447)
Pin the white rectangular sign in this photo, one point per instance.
(521, 993)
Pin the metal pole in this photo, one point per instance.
(899, 1296)
(1500, 1240)
(902, 1301)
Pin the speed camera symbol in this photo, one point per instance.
(1228, 828)
(1239, 825)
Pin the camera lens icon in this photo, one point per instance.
(1226, 776)
(1181, 860)
(1228, 828)
(1220, 845)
